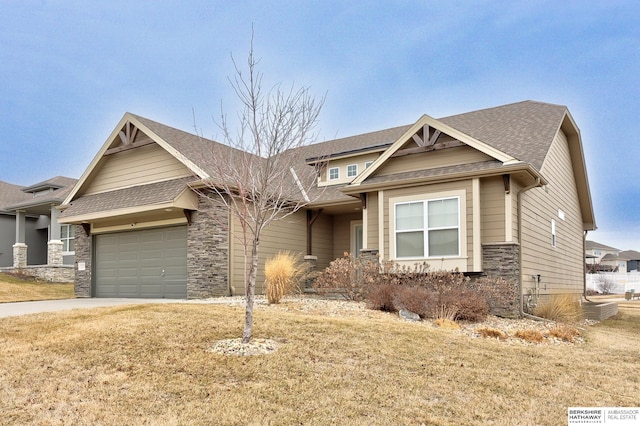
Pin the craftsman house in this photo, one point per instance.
(31, 239)
(500, 191)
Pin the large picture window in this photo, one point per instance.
(428, 228)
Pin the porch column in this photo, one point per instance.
(54, 246)
(20, 247)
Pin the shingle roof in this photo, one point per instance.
(153, 193)
(595, 245)
(13, 196)
(630, 255)
(524, 130)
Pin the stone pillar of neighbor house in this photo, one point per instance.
(20, 248)
(54, 246)
(310, 263)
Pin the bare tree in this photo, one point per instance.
(259, 174)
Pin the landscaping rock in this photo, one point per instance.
(408, 315)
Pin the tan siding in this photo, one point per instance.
(342, 233)
(342, 164)
(561, 268)
(430, 160)
(492, 210)
(283, 235)
(372, 218)
(150, 163)
(323, 241)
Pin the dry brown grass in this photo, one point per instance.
(560, 308)
(566, 332)
(282, 272)
(149, 364)
(13, 289)
(490, 332)
(533, 336)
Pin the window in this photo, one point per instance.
(352, 170)
(367, 164)
(67, 236)
(428, 228)
(553, 233)
(334, 173)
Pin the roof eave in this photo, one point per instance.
(354, 189)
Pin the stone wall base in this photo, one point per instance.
(49, 273)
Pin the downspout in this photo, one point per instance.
(584, 278)
(519, 203)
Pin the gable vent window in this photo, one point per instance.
(334, 173)
(352, 170)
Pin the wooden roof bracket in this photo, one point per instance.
(507, 183)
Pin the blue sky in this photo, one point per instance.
(70, 69)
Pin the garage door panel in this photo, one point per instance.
(142, 263)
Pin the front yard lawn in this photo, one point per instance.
(150, 364)
(13, 289)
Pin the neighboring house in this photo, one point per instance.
(632, 258)
(594, 252)
(603, 258)
(501, 191)
(29, 231)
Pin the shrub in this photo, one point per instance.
(282, 274)
(414, 299)
(500, 295)
(380, 298)
(350, 277)
(470, 305)
(592, 292)
(533, 336)
(561, 308)
(566, 332)
(491, 332)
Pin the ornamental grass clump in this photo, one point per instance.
(560, 308)
(282, 275)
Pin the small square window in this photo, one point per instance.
(367, 164)
(334, 173)
(352, 170)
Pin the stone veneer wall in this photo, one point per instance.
(49, 273)
(83, 255)
(208, 251)
(503, 260)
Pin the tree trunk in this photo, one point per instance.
(250, 291)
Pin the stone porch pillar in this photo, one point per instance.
(20, 247)
(54, 246)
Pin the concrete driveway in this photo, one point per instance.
(24, 308)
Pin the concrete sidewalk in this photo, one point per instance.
(25, 308)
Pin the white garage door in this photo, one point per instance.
(148, 263)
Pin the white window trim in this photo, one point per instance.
(554, 237)
(367, 164)
(436, 262)
(355, 174)
(67, 253)
(334, 178)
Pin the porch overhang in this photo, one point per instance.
(156, 201)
